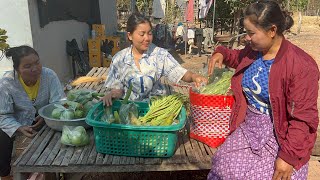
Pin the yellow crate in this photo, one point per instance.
(100, 30)
(106, 62)
(94, 45)
(95, 59)
(116, 42)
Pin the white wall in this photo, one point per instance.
(108, 13)
(21, 19)
(50, 41)
(15, 19)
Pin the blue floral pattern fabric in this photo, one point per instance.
(255, 84)
(155, 63)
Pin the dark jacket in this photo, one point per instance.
(293, 93)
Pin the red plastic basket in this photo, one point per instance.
(210, 118)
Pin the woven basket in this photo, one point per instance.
(210, 118)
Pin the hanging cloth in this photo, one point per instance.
(190, 11)
(204, 6)
(159, 8)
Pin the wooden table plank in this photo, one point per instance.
(31, 150)
(68, 156)
(124, 160)
(197, 150)
(54, 152)
(47, 151)
(93, 155)
(108, 159)
(87, 150)
(189, 151)
(180, 156)
(152, 161)
(36, 154)
(58, 160)
(29, 146)
(99, 159)
(116, 160)
(76, 155)
(132, 160)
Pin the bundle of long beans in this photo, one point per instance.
(163, 110)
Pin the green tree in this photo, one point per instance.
(296, 5)
(3, 40)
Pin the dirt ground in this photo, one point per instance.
(308, 39)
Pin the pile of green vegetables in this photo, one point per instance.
(77, 105)
(163, 111)
(219, 86)
(74, 136)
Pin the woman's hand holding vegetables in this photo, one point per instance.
(27, 131)
(216, 58)
(114, 93)
(199, 80)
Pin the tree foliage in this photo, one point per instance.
(297, 5)
(3, 40)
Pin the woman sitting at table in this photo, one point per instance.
(142, 65)
(22, 92)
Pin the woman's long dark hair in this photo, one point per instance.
(134, 20)
(265, 13)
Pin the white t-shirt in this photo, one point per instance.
(191, 34)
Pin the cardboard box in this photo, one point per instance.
(106, 62)
(100, 30)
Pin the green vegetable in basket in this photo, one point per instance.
(82, 96)
(97, 95)
(79, 114)
(220, 87)
(125, 108)
(74, 94)
(67, 114)
(163, 110)
(87, 106)
(134, 120)
(168, 121)
(56, 113)
(108, 116)
(72, 105)
(116, 117)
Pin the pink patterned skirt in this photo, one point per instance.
(250, 152)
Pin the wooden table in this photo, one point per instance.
(46, 154)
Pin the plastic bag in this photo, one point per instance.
(124, 112)
(217, 74)
(108, 116)
(74, 136)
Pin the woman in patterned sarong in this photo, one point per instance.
(275, 118)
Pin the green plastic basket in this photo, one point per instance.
(129, 140)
